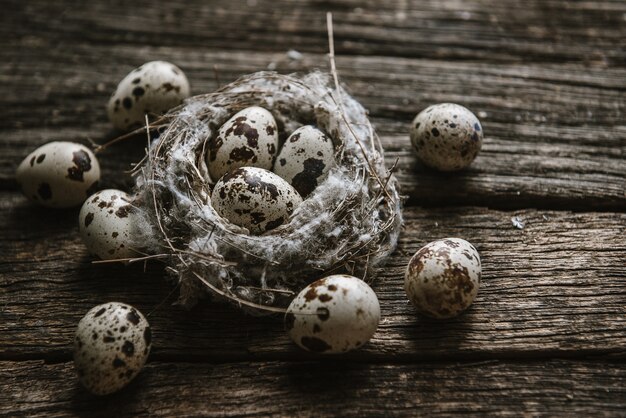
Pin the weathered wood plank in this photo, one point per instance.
(545, 77)
(485, 30)
(544, 146)
(557, 287)
(79, 78)
(556, 387)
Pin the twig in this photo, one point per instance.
(331, 57)
(391, 171)
(117, 139)
(154, 199)
(238, 300)
(286, 292)
(339, 102)
(130, 134)
(362, 148)
(169, 295)
(217, 75)
(132, 259)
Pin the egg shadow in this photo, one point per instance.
(214, 329)
(119, 158)
(437, 339)
(429, 187)
(85, 404)
(28, 217)
(139, 284)
(333, 378)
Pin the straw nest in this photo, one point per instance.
(350, 222)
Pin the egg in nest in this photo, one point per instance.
(305, 158)
(254, 198)
(247, 139)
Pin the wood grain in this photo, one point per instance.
(480, 30)
(552, 388)
(543, 147)
(557, 287)
(545, 336)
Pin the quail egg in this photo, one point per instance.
(111, 345)
(443, 277)
(106, 222)
(153, 88)
(59, 174)
(305, 158)
(248, 139)
(254, 198)
(333, 315)
(446, 136)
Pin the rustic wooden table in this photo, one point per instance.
(547, 333)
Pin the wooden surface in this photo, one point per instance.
(547, 333)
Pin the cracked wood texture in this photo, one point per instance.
(547, 333)
(310, 388)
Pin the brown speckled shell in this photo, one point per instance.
(255, 199)
(305, 158)
(443, 277)
(153, 89)
(248, 139)
(106, 224)
(59, 174)
(333, 315)
(111, 345)
(347, 219)
(446, 136)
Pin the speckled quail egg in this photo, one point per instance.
(248, 139)
(106, 222)
(333, 315)
(443, 277)
(446, 136)
(111, 345)
(305, 158)
(254, 198)
(153, 88)
(59, 174)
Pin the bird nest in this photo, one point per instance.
(349, 224)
